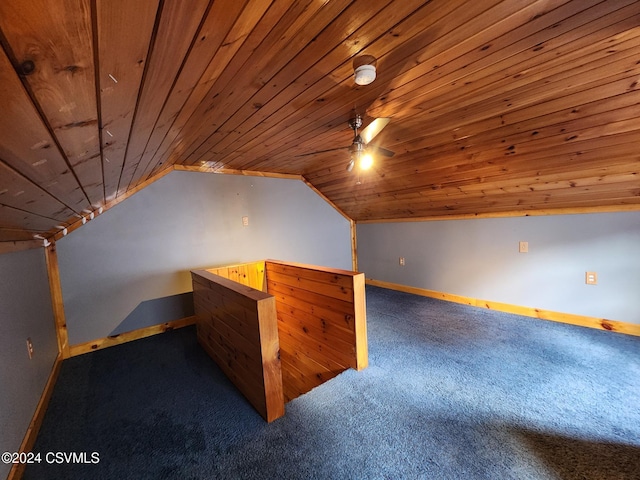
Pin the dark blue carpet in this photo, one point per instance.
(452, 392)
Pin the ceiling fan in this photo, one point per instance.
(361, 149)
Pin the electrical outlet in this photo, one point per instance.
(523, 247)
(30, 347)
(401, 261)
(591, 278)
(245, 221)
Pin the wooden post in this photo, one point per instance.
(354, 246)
(56, 300)
(360, 317)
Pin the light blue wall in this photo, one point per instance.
(479, 258)
(135, 258)
(25, 311)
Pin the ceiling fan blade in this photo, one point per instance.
(382, 151)
(369, 132)
(322, 151)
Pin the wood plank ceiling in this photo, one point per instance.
(495, 105)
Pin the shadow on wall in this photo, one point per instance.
(157, 311)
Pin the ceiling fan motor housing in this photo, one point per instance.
(355, 122)
(357, 146)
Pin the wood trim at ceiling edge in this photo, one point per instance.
(514, 213)
(579, 320)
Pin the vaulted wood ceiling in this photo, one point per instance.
(495, 106)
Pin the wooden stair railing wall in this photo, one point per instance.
(278, 329)
(237, 327)
(321, 323)
(251, 274)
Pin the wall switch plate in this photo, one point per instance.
(523, 247)
(30, 347)
(401, 261)
(245, 221)
(591, 278)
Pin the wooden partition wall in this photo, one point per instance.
(318, 316)
(237, 326)
(250, 274)
(321, 323)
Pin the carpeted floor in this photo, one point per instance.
(452, 392)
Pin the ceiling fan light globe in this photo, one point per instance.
(366, 161)
(365, 74)
(350, 165)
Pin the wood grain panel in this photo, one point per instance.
(21, 225)
(317, 300)
(218, 22)
(325, 360)
(59, 46)
(341, 329)
(462, 65)
(174, 35)
(446, 18)
(246, 24)
(233, 349)
(251, 274)
(122, 57)
(343, 345)
(453, 83)
(344, 293)
(293, 104)
(264, 44)
(321, 322)
(235, 310)
(17, 190)
(279, 65)
(294, 377)
(237, 326)
(27, 145)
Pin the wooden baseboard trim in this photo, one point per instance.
(112, 340)
(29, 440)
(580, 320)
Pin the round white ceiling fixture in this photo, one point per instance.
(365, 74)
(364, 68)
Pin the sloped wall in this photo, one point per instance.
(479, 258)
(136, 257)
(25, 312)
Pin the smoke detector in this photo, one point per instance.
(364, 68)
